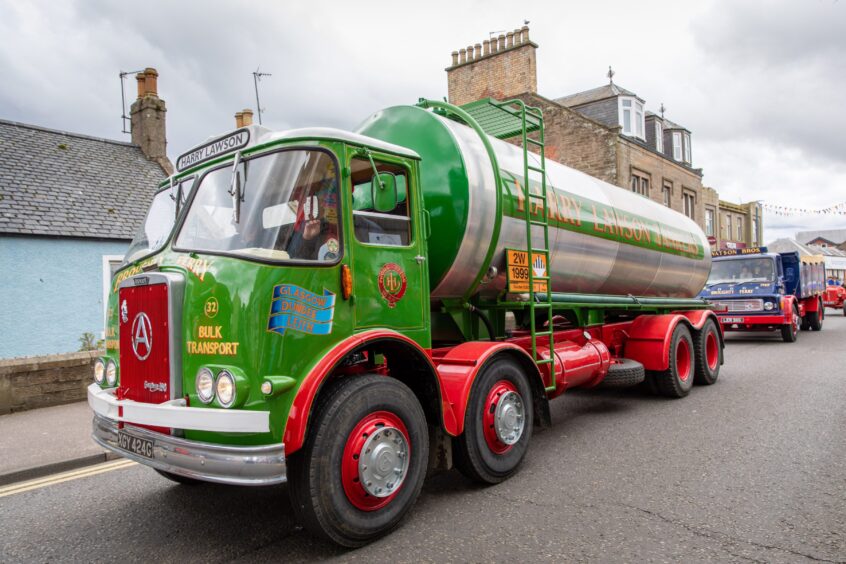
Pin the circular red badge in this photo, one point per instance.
(392, 283)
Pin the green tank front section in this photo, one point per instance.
(443, 177)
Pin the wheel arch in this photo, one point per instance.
(459, 368)
(650, 337)
(398, 349)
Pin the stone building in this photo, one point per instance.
(69, 206)
(740, 225)
(605, 131)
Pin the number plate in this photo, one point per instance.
(732, 320)
(135, 445)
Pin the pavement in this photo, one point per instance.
(44, 441)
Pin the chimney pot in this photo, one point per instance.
(487, 43)
(478, 51)
(510, 41)
(141, 84)
(454, 58)
(463, 55)
(501, 39)
(239, 119)
(525, 33)
(151, 81)
(517, 37)
(248, 116)
(469, 52)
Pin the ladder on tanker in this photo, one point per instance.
(522, 120)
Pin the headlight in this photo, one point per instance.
(225, 388)
(111, 373)
(99, 371)
(769, 305)
(204, 385)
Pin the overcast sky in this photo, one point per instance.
(759, 83)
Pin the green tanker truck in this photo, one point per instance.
(347, 310)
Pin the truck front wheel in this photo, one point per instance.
(363, 462)
(677, 380)
(497, 424)
(790, 331)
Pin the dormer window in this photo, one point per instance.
(681, 146)
(659, 137)
(631, 117)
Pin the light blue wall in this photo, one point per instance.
(51, 292)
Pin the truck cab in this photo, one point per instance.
(755, 290)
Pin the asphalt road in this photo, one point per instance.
(750, 469)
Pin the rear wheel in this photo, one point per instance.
(363, 463)
(815, 318)
(677, 380)
(708, 354)
(790, 331)
(497, 424)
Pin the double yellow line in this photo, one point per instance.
(39, 483)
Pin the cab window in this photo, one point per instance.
(391, 227)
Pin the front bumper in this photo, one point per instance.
(226, 464)
(740, 322)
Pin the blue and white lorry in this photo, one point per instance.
(752, 289)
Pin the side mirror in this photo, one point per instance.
(384, 190)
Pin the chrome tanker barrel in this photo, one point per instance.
(603, 239)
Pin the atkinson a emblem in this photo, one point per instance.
(142, 336)
(392, 283)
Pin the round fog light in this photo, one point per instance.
(266, 387)
(225, 388)
(768, 305)
(204, 385)
(99, 371)
(111, 373)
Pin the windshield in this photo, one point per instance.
(746, 270)
(288, 209)
(159, 221)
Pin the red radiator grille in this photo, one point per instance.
(144, 344)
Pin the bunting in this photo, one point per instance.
(837, 209)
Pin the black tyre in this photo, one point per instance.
(815, 318)
(677, 380)
(184, 480)
(363, 462)
(708, 354)
(497, 424)
(790, 331)
(623, 373)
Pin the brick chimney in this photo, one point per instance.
(501, 67)
(147, 115)
(244, 118)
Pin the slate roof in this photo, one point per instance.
(836, 236)
(594, 95)
(65, 184)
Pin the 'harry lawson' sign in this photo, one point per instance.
(212, 149)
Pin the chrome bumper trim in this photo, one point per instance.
(175, 414)
(225, 464)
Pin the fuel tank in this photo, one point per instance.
(603, 239)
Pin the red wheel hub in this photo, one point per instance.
(712, 350)
(377, 450)
(503, 417)
(683, 360)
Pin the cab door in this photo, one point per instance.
(387, 249)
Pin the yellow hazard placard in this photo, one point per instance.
(517, 273)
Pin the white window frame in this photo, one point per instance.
(754, 231)
(686, 147)
(634, 109)
(677, 149)
(728, 226)
(107, 287)
(709, 222)
(659, 137)
(689, 210)
(739, 229)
